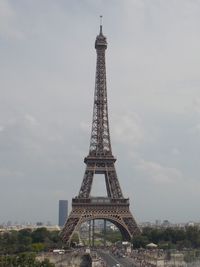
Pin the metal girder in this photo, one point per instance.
(118, 215)
(115, 207)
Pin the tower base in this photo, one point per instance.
(114, 210)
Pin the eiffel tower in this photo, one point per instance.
(100, 160)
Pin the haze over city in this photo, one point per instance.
(47, 85)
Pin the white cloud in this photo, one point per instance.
(8, 24)
(127, 129)
(32, 121)
(175, 151)
(158, 173)
(6, 10)
(2, 128)
(85, 127)
(6, 173)
(195, 130)
(196, 105)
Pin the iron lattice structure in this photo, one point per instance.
(114, 207)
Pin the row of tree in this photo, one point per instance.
(169, 238)
(23, 260)
(41, 239)
(27, 240)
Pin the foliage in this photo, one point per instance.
(111, 236)
(169, 238)
(27, 240)
(38, 247)
(23, 260)
(140, 241)
(40, 235)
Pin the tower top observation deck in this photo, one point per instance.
(101, 42)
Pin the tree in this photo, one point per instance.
(140, 241)
(39, 235)
(37, 247)
(24, 260)
(46, 263)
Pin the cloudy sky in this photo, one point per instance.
(47, 74)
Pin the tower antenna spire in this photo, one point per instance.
(101, 19)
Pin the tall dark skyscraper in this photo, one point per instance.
(63, 212)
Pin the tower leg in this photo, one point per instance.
(93, 227)
(89, 232)
(104, 236)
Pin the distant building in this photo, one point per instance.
(158, 222)
(63, 212)
(166, 223)
(39, 223)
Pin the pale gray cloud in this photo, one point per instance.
(127, 129)
(158, 173)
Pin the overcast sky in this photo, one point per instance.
(47, 75)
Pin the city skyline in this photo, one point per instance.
(48, 73)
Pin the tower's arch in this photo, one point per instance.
(116, 220)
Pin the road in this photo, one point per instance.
(112, 260)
